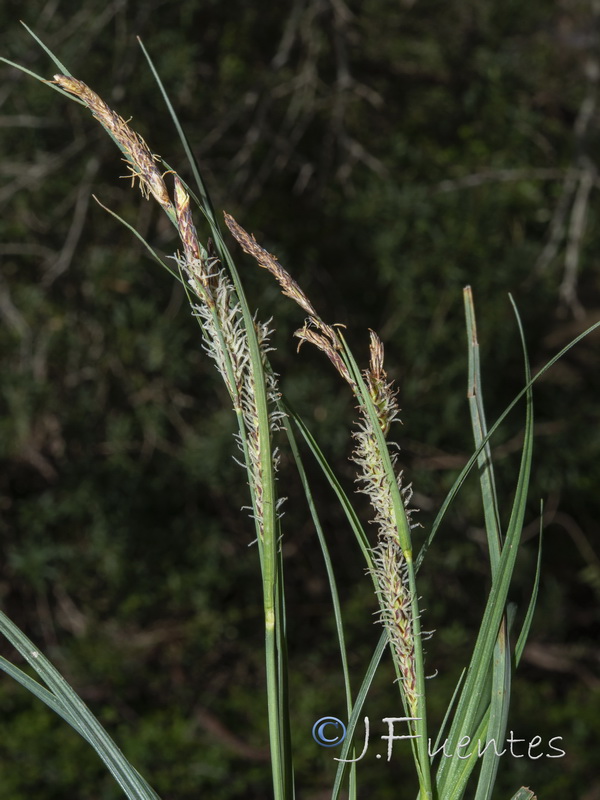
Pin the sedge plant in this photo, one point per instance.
(239, 343)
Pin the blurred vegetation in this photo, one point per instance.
(389, 154)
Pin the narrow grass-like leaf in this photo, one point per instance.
(78, 714)
(335, 600)
(206, 202)
(501, 666)
(524, 794)
(39, 691)
(478, 424)
(283, 680)
(454, 771)
(450, 497)
(521, 641)
(343, 498)
(449, 710)
(37, 77)
(356, 712)
(173, 272)
(498, 713)
(46, 49)
(465, 766)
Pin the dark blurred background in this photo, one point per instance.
(389, 153)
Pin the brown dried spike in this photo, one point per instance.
(138, 153)
(289, 287)
(307, 334)
(80, 89)
(185, 223)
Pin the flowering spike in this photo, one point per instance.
(140, 160)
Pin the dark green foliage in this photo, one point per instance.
(388, 154)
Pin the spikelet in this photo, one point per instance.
(139, 158)
(226, 341)
(225, 338)
(185, 222)
(389, 571)
(390, 566)
(380, 389)
(289, 287)
(315, 331)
